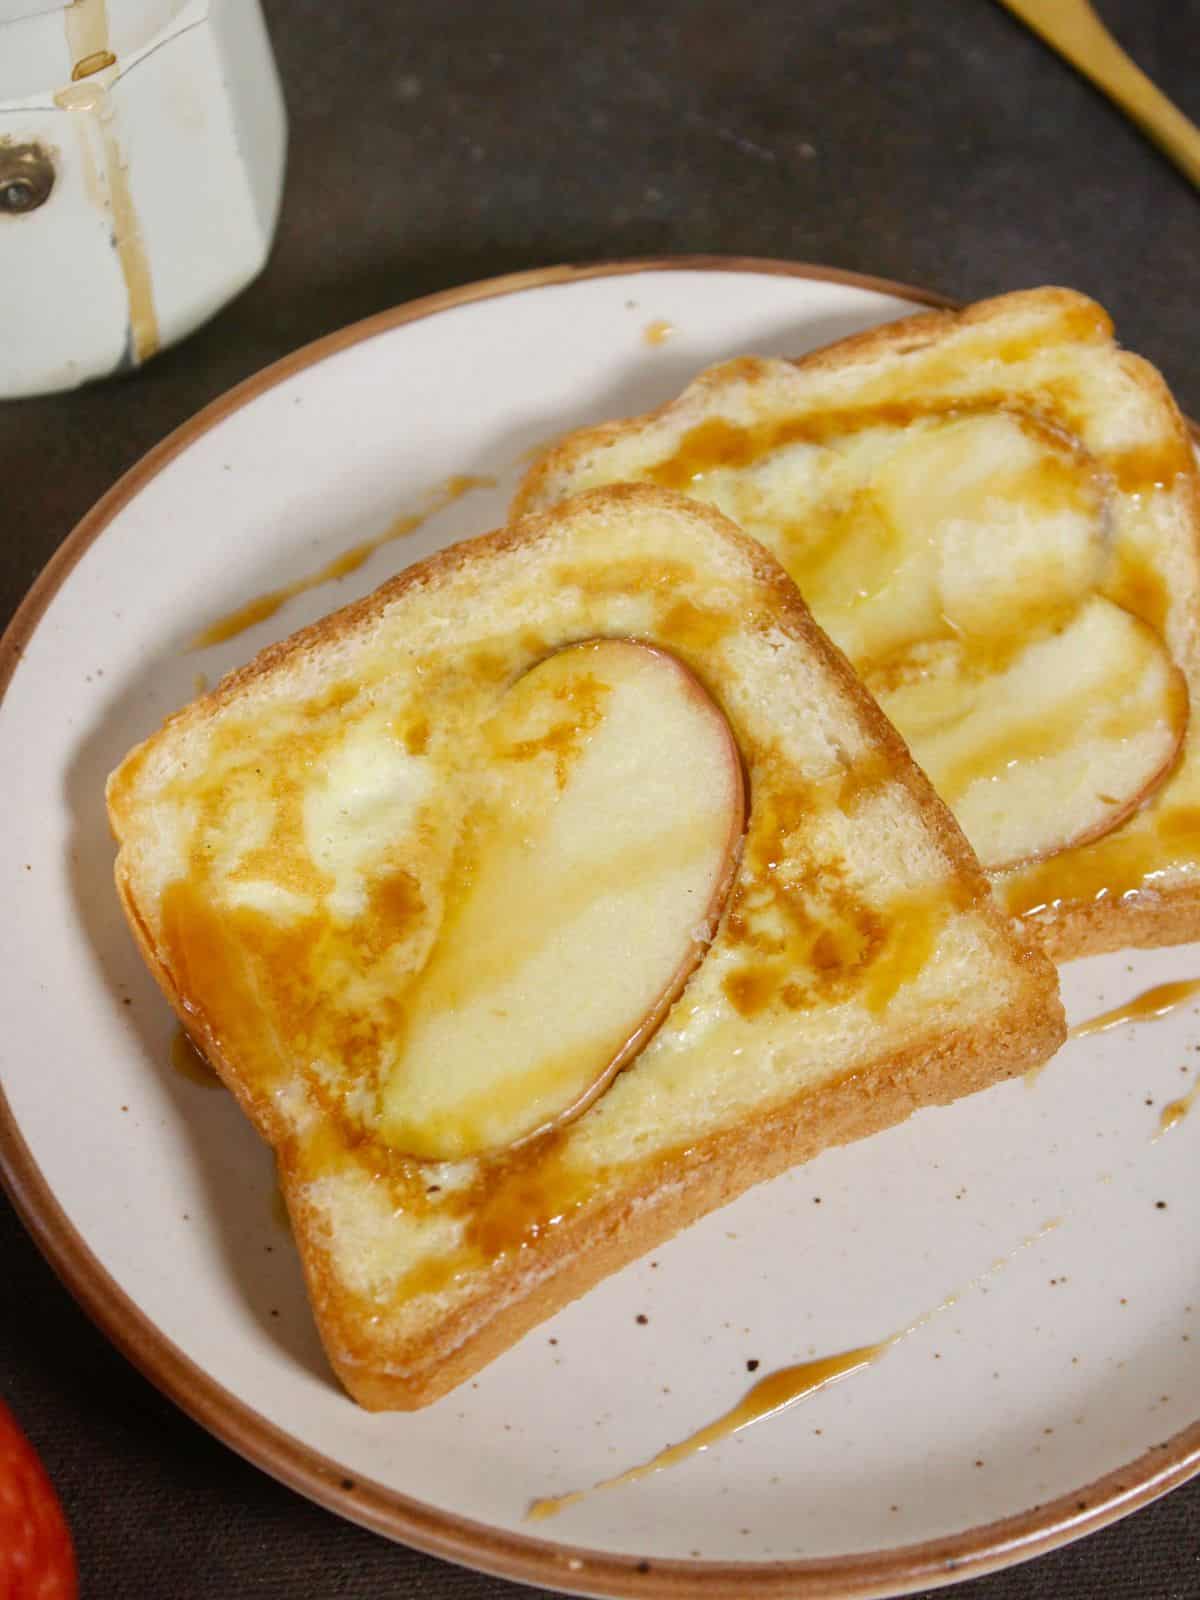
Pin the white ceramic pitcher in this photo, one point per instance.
(141, 163)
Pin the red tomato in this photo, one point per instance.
(37, 1561)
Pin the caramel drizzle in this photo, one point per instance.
(769, 1396)
(266, 605)
(777, 1392)
(96, 62)
(187, 1061)
(1119, 864)
(86, 23)
(1148, 1006)
(1174, 1113)
(719, 445)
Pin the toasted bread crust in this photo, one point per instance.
(1069, 928)
(383, 1371)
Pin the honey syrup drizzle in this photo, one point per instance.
(87, 31)
(266, 605)
(96, 62)
(86, 24)
(1174, 1113)
(1110, 868)
(189, 1063)
(718, 445)
(777, 1392)
(1148, 1006)
(769, 1396)
(800, 929)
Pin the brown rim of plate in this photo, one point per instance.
(879, 1573)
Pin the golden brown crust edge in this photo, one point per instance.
(1094, 928)
(1026, 1033)
(908, 334)
(1070, 930)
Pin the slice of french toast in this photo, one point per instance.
(996, 514)
(546, 899)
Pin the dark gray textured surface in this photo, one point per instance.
(935, 143)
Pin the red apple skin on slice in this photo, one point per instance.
(594, 865)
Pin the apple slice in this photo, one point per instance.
(959, 561)
(591, 873)
(1055, 749)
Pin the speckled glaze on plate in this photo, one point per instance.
(1058, 1390)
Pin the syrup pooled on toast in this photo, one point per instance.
(88, 41)
(1160, 842)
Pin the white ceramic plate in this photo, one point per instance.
(1056, 1393)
